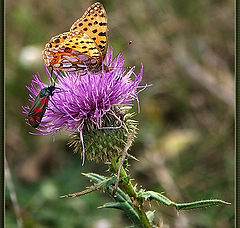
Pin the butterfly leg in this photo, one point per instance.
(82, 74)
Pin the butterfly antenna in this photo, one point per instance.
(124, 49)
(127, 45)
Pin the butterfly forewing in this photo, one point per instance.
(94, 24)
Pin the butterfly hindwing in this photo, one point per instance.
(71, 56)
(51, 47)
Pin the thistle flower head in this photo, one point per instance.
(94, 101)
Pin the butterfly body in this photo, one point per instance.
(83, 47)
(39, 106)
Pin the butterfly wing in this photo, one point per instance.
(94, 24)
(51, 47)
(74, 54)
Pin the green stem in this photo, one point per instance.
(129, 189)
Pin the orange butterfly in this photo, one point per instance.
(85, 45)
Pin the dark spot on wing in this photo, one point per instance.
(102, 24)
(56, 40)
(102, 34)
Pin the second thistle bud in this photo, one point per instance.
(106, 142)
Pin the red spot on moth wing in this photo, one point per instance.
(33, 122)
(38, 110)
(45, 101)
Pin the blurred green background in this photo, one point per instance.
(186, 126)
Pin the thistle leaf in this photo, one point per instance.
(108, 184)
(123, 202)
(200, 204)
(128, 209)
(150, 195)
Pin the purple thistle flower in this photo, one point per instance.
(87, 98)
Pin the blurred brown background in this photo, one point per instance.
(186, 125)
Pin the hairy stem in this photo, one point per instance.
(129, 189)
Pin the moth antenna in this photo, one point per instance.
(51, 75)
(53, 81)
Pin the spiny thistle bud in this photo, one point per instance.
(108, 142)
